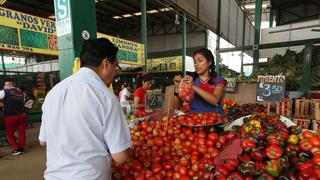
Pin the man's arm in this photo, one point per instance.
(121, 157)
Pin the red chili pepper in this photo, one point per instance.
(273, 152)
(245, 157)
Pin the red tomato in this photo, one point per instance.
(156, 168)
(183, 171)
(213, 136)
(202, 149)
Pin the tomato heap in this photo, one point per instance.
(197, 119)
(178, 153)
(271, 150)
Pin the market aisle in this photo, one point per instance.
(29, 166)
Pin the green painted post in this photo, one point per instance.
(271, 17)
(243, 39)
(305, 80)
(218, 38)
(257, 26)
(3, 64)
(75, 22)
(144, 31)
(184, 43)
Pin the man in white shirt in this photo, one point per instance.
(83, 126)
(125, 97)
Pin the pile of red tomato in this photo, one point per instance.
(270, 150)
(178, 153)
(199, 119)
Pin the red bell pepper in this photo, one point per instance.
(257, 155)
(231, 164)
(273, 152)
(248, 144)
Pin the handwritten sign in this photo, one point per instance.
(154, 99)
(231, 84)
(270, 88)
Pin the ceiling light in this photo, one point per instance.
(152, 11)
(52, 17)
(165, 9)
(137, 14)
(2, 2)
(127, 15)
(116, 17)
(253, 6)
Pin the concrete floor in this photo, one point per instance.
(30, 165)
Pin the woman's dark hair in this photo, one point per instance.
(95, 50)
(209, 56)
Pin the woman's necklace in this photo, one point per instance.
(204, 80)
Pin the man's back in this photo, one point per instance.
(81, 122)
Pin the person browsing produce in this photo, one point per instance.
(140, 93)
(208, 87)
(83, 125)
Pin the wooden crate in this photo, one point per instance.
(315, 109)
(302, 122)
(301, 107)
(284, 108)
(316, 125)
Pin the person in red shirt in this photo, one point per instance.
(208, 87)
(140, 93)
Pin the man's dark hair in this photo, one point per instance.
(95, 50)
(146, 77)
(10, 81)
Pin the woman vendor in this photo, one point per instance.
(208, 87)
(140, 93)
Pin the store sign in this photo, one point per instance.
(62, 11)
(27, 33)
(270, 88)
(129, 52)
(166, 64)
(154, 99)
(231, 84)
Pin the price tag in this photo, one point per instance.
(231, 84)
(154, 99)
(270, 88)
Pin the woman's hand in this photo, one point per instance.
(188, 80)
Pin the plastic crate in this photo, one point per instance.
(302, 122)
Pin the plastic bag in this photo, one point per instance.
(185, 92)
